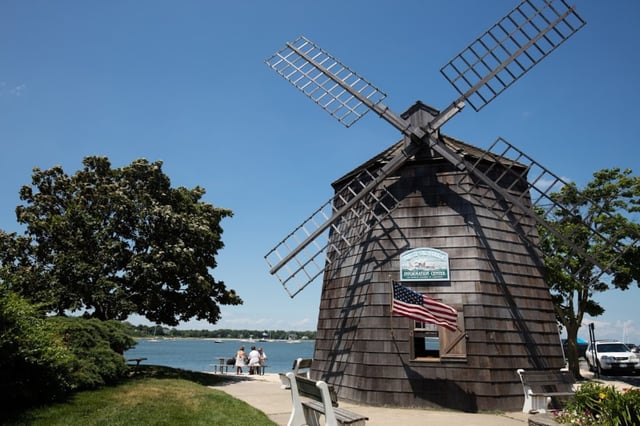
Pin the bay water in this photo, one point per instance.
(199, 354)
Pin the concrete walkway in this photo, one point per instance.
(265, 394)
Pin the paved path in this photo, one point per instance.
(265, 394)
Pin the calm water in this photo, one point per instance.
(198, 354)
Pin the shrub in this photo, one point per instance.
(45, 358)
(35, 366)
(596, 404)
(97, 347)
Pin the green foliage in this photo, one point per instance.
(595, 404)
(35, 365)
(117, 241)
(45, 358)
(154, 396)
(97, 347)
(573, 279)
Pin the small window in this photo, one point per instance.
(426, 340)
(432, 343)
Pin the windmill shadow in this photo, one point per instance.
(359, 289)
(441, 392)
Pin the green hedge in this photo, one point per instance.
(35, 365)
(97, 348)
(45, 358)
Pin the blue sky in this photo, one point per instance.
(185, 82)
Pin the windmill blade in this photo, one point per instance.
(510, 48)
(522, 189)
(298, 259)
(341, 92)
(332, 85)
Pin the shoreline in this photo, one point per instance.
(223, 339)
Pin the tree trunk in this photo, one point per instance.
(572, 351)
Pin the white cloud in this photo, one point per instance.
(17, 90)
(8, 90)
(624, 330)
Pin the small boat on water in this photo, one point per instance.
(155, 338)
(293, 338)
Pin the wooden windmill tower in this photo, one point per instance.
(429, 195)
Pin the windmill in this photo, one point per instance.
(482, 207)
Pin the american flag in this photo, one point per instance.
(419, 307)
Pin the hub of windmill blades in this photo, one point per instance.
(479, 73)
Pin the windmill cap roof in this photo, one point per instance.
(418, 112)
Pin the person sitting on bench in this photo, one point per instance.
(254, 361)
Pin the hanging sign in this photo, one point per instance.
(424, 264)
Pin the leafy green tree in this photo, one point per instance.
(111, 242)
(574, 281)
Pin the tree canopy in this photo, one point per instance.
(610, 203)
(111, 242)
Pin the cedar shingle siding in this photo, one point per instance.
(495, 283)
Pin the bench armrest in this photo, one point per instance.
(297, 414)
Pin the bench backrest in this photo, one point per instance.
(309, 389)
(547, 380)
(302, 364)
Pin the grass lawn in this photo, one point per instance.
(152, 396)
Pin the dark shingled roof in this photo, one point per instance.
(464, 149)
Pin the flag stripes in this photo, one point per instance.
(419, 307)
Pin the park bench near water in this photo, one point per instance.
(222, 365)
(319, 399)
(301, 366)
(541, 386)
(225, 364)
(136, 360)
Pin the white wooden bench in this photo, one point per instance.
(320, 399)
(301, 366)
(541, 385)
